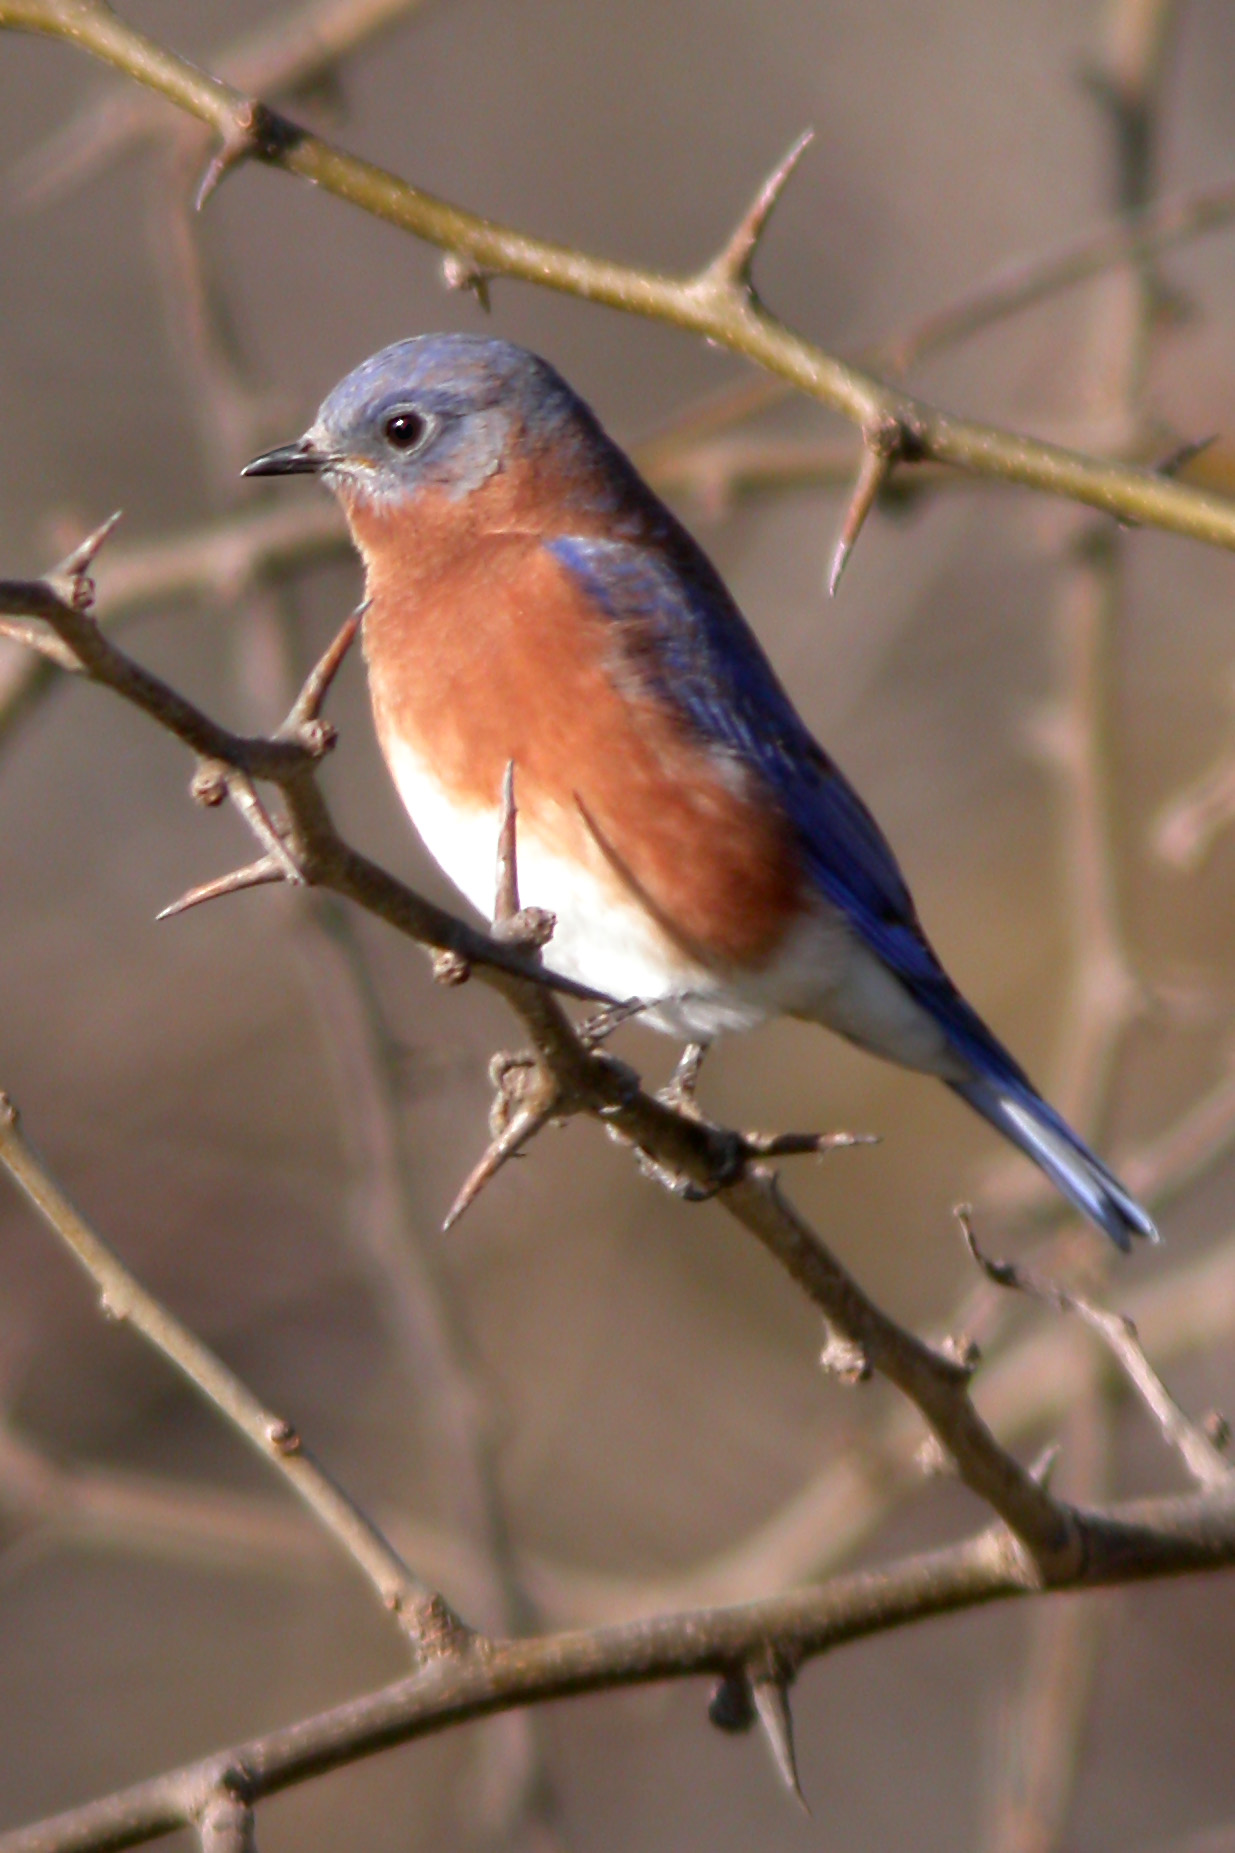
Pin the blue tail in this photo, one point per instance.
(1022, 1116)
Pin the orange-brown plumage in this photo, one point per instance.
(482, 650)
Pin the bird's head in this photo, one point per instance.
(437, 412)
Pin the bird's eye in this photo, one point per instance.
(405, 430)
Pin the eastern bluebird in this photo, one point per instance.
(531, 600)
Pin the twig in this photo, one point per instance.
(1202, 1459)
(425, 1617)
(1041, 1735)
(706, 303)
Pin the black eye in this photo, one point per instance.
(405, 430)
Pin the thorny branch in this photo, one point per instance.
(713, 302)
(1147, 1538)
(219, 1793)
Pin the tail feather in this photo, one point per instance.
(1024, 1118)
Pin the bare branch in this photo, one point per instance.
(1127, 1543)
(431, 1626)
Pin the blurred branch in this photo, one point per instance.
(45, 1502)
(713, 302)
(425, 1617)
(1044, 1736)
(1135, 1541)
(1041, 1725)
(293, 54)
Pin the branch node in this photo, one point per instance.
(226, 1824)
(732, 268)
(844, 1359)
(461, 272)
(1217, 1428)
(963, 1351)
(256, 132)
(208, 786)
(450, 968)
(283, 1438)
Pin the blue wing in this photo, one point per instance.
(678, 630)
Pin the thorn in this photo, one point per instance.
(464, 273)
(885, 443)
(307, 706)
(74, 569)
(513, 925)
(733, 266)
(255, 132)
(257, 874)
(525, 1124)
(771, 1700)
(506, 886)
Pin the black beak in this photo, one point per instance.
(298, 459)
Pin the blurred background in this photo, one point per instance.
(590, 1401)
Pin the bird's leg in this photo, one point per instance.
(597, 1029)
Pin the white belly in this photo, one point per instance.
(605, 938)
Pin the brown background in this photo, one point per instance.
(652, 1382)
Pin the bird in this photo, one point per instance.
(531, 602)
